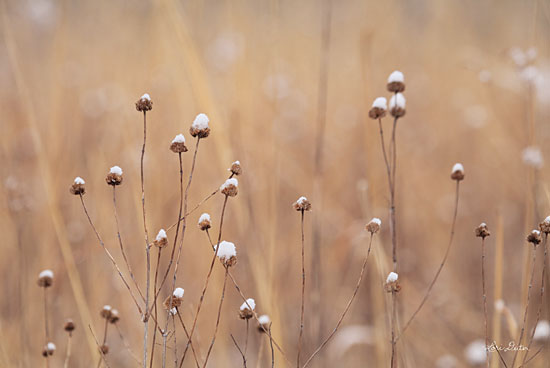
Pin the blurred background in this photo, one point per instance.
(287, 86)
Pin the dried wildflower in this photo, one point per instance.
(396, 82)
(264, 323)
(227, 253)
(200, 127)
(69, 325)
(176, 298)
(78, 186)
(49, 349)
(397, 105)
(379, 108)
(482, 231)
(392, 283)
(534, 237)
(178, 144)
(230, 187)
(246, 311)
(236, 168)
(204, 222)
(115, 317)
(45, 278)
(106, 311)
(144, 103)
(115, 176)
(544, 226)
(374, 225)
(161, 240)
(458, 172)
(104, 349)
(302, 204)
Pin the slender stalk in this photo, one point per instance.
(104, 341)
(383, 145)
(68, 354)
(99, 347)
(303, 293)
(485, 317)
(393, 362)
(441, 265)
(272, 351)
(246, 338)
(348, 305)
(147, 246)
(239, 349)
(46, 329)
(154, 308)
(187, 335)
(175, 342)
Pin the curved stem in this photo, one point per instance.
(147, 246)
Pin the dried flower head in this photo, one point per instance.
(45, 278)
(176, 299)
(302, 204)
(397, 105)
(482, 231)
(178, 144)
(200, 127)
(230, 187)
(544, 226)
(77, 188)
(458, 172)
(49, 349)
(264, 323)
(69, 325)
(115, 176)
(227, 253)
(106, 311)
(534, 237)
(392, 283)
(162, 239)
(396, 82)
(144, 103)
(236, 168)
(104, 349)
(204, 222)
(115, 317)
(374, 225)
(379, 108)
(246, 311)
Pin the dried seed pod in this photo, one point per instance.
(178, 144)
(204, 222)
(48, 350)
(374, 225)
(176, 298)
(69, 325)
(544, 226)
(397, 105)
(302, 204)
(236, 168)
(246, 311)
(457, 173)
(115, 176)
(482, 231)
(162, 239)
(144, 103)
(78, 188)
(200, 127)
(106, 311)
(230, 187)
(227, 253)
(379, 108)
(264, 323)
(45, 278)
(396, 82)
(114, 317)
(392, 283)
(534, 237)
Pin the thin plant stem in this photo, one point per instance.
(246, 338)
(485, 316)
(239, 349)
(126, 344)
(99, 348)
(441, 265)
(393, 362)
(154, 307)
(383, 145)
(46, 329)
(68, 354)
(187, 335)
(303, 292)
(104, 340)
(348, 305)
(147, 246)
(175, 342)
(272, 351)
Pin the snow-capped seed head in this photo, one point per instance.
(499, 305)
(374, 225)
(458, 172)
(114, 317)
(392, 284)
(542, 331)
(49, 349)
(532, 156)
(45, 278)
(144, 103)
(200, 127)
(204, 222)
(230, 187)
(397, 105)
(174, 301)
(236, 168)
(178, 293)
(534, 237)
(482, 231)
(162, 239)
(106, 311)
(69, 325)
(379, 108)
(246, 311)
(392, 277)
(78, 188)
(264, 323)
(114, 177)
(227, 253)
(396, 82)
(302, 204)
(178, 144)
(475, 352)
(544, 226)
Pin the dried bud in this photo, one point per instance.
(458, 172)
(45, 278)
(200, 127)
(236, 168)
(482, 230)
(115, 176)
(69, 325)
(374, 225)
(106, 312)
(176, 299)
(246, 311)
(104, 349)
(178, 144)
(49, 349)
(161, 240)
(397, 105)
(534, 237)
(264, 323)
(78, 186)
(144, 103)
(379, 108)
(230, 187)
(302, 204)
(396, 82)
(545, 226)
(204, 222)
(115, 317)
(392, 283)
(227, 253)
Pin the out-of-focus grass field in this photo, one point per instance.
(70, 73)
